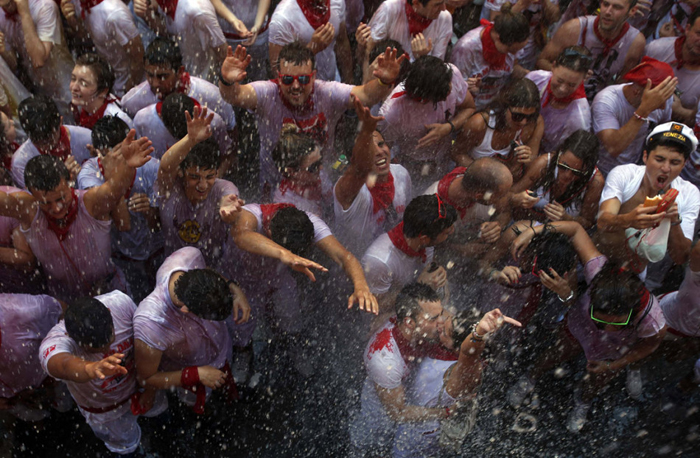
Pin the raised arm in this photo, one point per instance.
(226, 14)
(65, 366)
(582, 243)
(20, 256)
(388, 67)
(38, 50)
(19, 205)
(233, 71)
(394, 401)
(641, 217)
(470, 137)
(567, 35)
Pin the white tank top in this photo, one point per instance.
(485, 149)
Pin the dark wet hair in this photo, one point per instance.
(575, 58)
(380, 48)
(100, 68)
(296, 53)
(584, 145)
(429, 79)
(39, 118)
(205, 155)
(693, 17)
(292, 147)
(108, 132)
(673, 145)
(89, 322)
(292, 229)
(615, 291)
(510, 26)
(205, 293)
(163, 51)
(407, 302)
(429, 216)
(173, 113)
(44, 173)
(553, 250)
(522, 93)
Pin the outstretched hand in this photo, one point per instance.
(233, 70)
(364, 115)
(365, 300)
(106, 367)
(494, 320)
(229, 208)
(199, 125)
(300, 264)
(389, 66)
(135, 152)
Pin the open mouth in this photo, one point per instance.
(661, 181)
(381, 162)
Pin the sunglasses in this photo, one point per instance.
(440, 205)
(576, 172)
(597, 320)
(520, 117)
(288, 80)
(586, 60)
(315, 167)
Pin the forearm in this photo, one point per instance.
(353, 269)
(618, 141)
(373, 92)
(462, 116)
(263, 8)
(641, 350)
(408, 414)
(10, 58)
(362, 152)
(343, 54)
(678, 245)
(170, 162)
(551, 12)
(256, 243)
(470, 249)
(519, 72)
(607, 222)
(223, 12)
(163, 380)
(16, 259)
(35, 47)
(68, 367)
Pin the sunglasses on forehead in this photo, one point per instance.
(587, 60)
(519, 117)
(288, 80)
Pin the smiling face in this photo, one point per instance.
(8, 126)
(382, 155)
(55, 203)
(565, 81)
(664, 164)
(198, 183)
(518, 117)
(83, 86)
(296, 93)
(569, 170)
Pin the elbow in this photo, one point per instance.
(39, 62)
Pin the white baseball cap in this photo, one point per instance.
(675, 132)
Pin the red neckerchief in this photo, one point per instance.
(678, 49)
(183, 83)
(316, 13)
(416, 23)
(308, 105)
(444, 188)
(169, 7)
(12, 16)
(87, 120)
(268, 212)
(399, 240)
(159, 106)
(495, 59)
(579, 93)
(410, 353)
(131, 186)
(383, 194)
(61, 226)
(87, 5)
(311, 192)
(62, 149)
(609, 43)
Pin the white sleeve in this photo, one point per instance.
(384, 369)
(121, 26)
(616, 182)
(377, 273)
(689, 210)
(379, 21)
(444, 34)
(604, 116)
(281, 31)
(55, 342)
(47, 23)
(321, 229)
(209, 31)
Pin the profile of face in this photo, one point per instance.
(83, 86)
(429, 322)
(503, 48)
(309, 169)
(441, 237)
(446, 339)
(613, 13)
(430, 11)
(569, 169)
(8, 127)
(518, 117)
(692, 40)
(565, 81)
(198, 183)
(162, 79)
(54, 203)
(382, 155)
(664, 164)
(296, 82)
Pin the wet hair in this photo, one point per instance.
(44, 173)
(553, 250)
(693, 17)
(407, 302)
(165, 52)
(292, 147)
(205, 293)
(584, 145)
(522, 93)
(575, 58)
(429, 79)
(485, 174)
(292, 229)
(510, 26)
(429, 216)
(89, 322)
(462, 325)
(296, 53)
(204, 155)
(173, 113)
(673, 145)
(100, 68)
(615, 290)
(380, 47)
(108, 132)
(39, 118)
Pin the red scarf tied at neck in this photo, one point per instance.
(579, 93)
(678, 49)
(87, 120)
(169, 7)
(383, 194)
(268, 212)
(311, 192)
(60, 227)
(399, 240)
(87, 5)
(306, 107)
(12, 16)
(62, 149)
(317, 13)
(416, 23)
(410, 353)
(495, 59)
(609, 44)
(443, 190)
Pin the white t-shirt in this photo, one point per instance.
(688, 80)
(358, 226)
(623, 183)
(246, 11)
(113, 109)
(289, 24)
(99, 393)
(681, 308)
(111, 27)
(611, 110)
(691, 171)
(389, 21)
(202, 91)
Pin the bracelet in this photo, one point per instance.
(382, 83)
(680, 220)
(476, 337)
(452, 127)
(447, 411)
(223, 81)
(568, 298)
(640, 117)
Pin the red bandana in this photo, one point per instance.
(168, 7)
(309, 191)
(13, 16)
(183, 84)
(189, 379)
(399, 241)
(62, 150)
(87, 120)
(87, 5)
(131, 186)
(495, 59)
(416, 23)
(60, 227)
(409, 353)
(308, 104)
(383, 194)
(316, 13)
(444, 187)
(579, 93)
(609, 44)
(678, 48)
(268, 212)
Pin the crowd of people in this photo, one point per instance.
(183, 180)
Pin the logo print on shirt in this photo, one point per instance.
(316, 126)
(189, 231)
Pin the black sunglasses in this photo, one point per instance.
(519, 117)
(315, 167)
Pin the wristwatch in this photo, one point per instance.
(568, 298)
